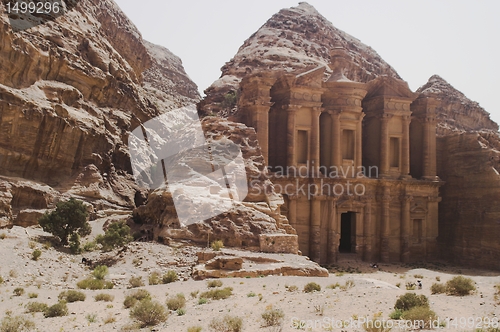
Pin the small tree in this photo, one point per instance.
(117, 235)
(68, 218)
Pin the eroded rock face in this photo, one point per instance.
(241, 225)
(455, 112)
(70, 92)
(293, 40)
(469, 214)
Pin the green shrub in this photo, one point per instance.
(136, 282)
(460, 286)
(117, 235)
(94, 284)
(18, 291)
(104, 297)
(218, 294)
(16, 324)
(154, 278)
(90, 246)
(410, 300)
(100, 272)
(202, 300)
(396, 314)
(36, 307)
(226, 324)
(422, 317)
(194, 329)
(149, 313)
(181, 311)
(68, 218)
(91, 318)
(57, 310)
(74, 244)
(217, 245)
(137, 296)
(176, 302)
(36, 254)
(311, 287)
(71, 296)
(251, 294)
(273, 317)
(437, 288)
(214, 283)
(170, 276)
(32, 295)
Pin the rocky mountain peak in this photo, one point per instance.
(296, 40)
(456, 112)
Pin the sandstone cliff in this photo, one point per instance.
(295, 39)
(456, 113)
(70, 92)
(468, 161)
(469, 214)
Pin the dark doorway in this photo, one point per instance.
(347, 230)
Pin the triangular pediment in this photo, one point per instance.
(312, 78)
(389, 87)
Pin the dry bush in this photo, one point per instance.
(217, 245)
(154, 278)
(226, 324)
(438, 288)
(36, 307)
(194, 329)
(16, 324)
(136, 282)
(217, 294)
(104, 297)
(18, 291)
(71, 296)
(273, 317)
(312, 287)
(169, 277)
(135, 297)
(57, 310)
(460, 286)
(149, 313)
(410, 300)
(94, 284)
(176, 302)
(214, 283)
(422, 317)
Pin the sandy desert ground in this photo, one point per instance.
(374, 292)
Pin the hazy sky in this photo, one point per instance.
(458, 40)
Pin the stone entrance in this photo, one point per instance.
(347, 233)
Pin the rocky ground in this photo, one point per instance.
(374, 290)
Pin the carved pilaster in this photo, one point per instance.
(405, 148)
(405, 228)
(292, 114)
(336, 154)
(384, 245)
(315, 142)
(384, 144)
(315, 240)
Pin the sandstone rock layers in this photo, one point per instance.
(455, 112)
(293, 40)
(70, 92)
